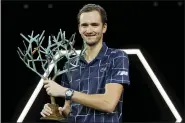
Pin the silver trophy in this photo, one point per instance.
(39, 56)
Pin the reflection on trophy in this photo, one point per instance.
(39, 57)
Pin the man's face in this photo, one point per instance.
(91, 27)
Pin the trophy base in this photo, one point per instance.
(56, 115)
(52, 117)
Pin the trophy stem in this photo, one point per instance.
(51, 97)
(52, 100)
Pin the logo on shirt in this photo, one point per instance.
(103, 69)
(122, 73)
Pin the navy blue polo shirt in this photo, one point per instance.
(110, 66)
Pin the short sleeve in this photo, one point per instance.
(119, 69)
(64, 80)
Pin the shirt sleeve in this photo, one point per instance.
(119, 69)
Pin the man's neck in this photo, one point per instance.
(92, 51)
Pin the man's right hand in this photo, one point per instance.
(46, 111)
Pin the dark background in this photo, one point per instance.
(157, 28)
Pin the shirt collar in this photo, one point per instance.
(101, 53)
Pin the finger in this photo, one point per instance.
(60, 110)
(42, 114)
(49, 92)
(46, 112)
(47, 108)
(46, 81)
(46, 85)
(47, 105)
(47, 89)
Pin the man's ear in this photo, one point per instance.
(79, 28)
(104, 27)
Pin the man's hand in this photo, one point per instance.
(64, 110)
(54, 89)
(46, 111)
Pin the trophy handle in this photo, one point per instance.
(52, 100)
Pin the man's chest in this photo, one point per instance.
(89, 78)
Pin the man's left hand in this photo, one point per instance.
(54, 89)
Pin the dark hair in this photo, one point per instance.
(93, 7)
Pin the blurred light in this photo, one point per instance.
(25, 6)
(155, 4)
(50, 6)
(180, 3)
(147, 67)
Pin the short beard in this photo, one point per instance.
(92, 43)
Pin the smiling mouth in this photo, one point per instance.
(90, 35)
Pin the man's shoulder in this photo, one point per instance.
(116, 53)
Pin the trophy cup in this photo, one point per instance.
(39, 58)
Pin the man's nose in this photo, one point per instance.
(89, 29)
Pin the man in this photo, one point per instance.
(93, 91)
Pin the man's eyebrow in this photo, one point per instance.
(95, 23)
(84, 24)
